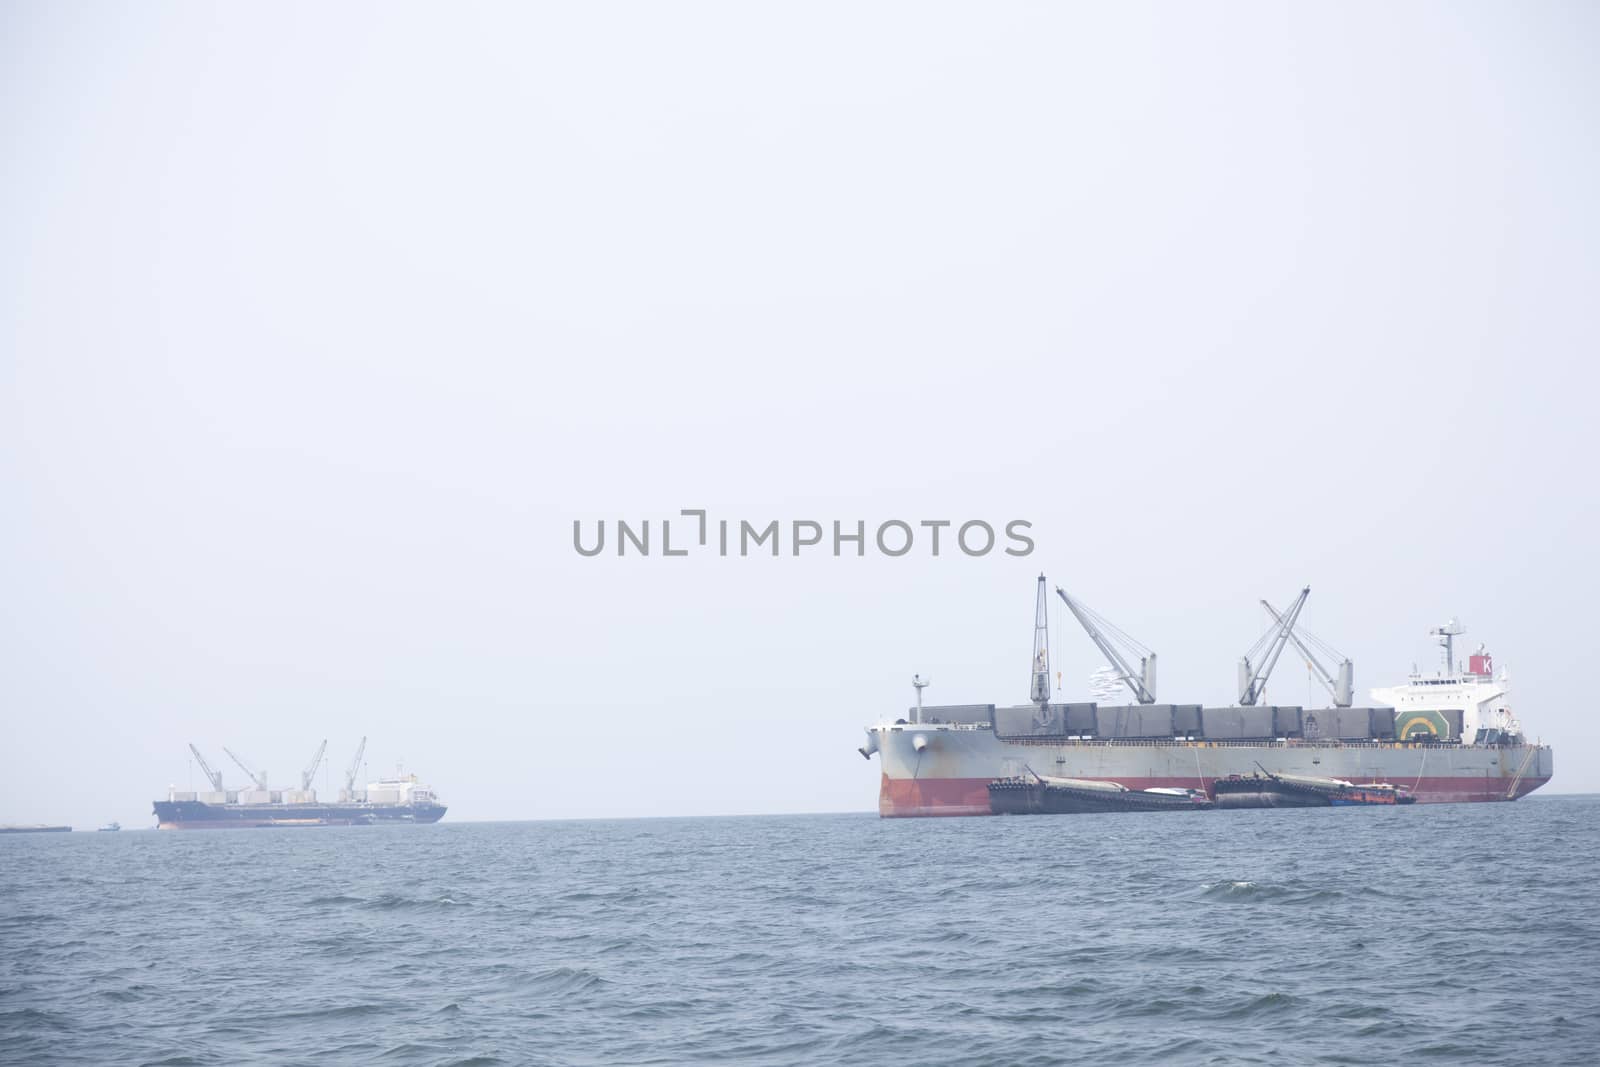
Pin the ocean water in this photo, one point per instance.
(1444, 934)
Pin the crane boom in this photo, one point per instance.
(1342, 688)
(215, 777)
(1142, 684)
(1253, 682)
(310, 771)
(355, 766)
(259, 779)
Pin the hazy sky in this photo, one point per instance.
(320, 324)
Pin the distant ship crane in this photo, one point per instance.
(214, 777)
(311, 770)
(259, 779)
(351, 771)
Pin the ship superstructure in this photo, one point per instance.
(1448, 738)
(401, 798)
(1470, 697)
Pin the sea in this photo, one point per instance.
(1427, 934)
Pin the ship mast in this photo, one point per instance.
(1040, 692)
(919, 683)
(1447, 635)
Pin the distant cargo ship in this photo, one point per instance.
(401, 799)
(37, 828)
(1451, 737)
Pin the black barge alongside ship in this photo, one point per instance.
(1267, 790)
(1040, 795)
(1035, 794)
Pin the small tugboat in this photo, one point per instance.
(1037, 794)
(110, 827)
(1372, 793)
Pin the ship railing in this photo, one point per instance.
(1187, 742)
(1203, 742)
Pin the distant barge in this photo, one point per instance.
(38, 829)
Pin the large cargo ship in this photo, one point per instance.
(1450, 737)
(400, 799)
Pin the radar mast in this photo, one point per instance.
(1447, 635)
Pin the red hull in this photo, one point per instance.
(252, 824)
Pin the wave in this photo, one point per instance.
(1258, 893)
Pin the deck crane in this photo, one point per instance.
(1039, 693)
(259, 779)
(310, 772)
(1143, 684)
(1340, 688)
(1253, 680)
(350, 773)
(214, 777)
